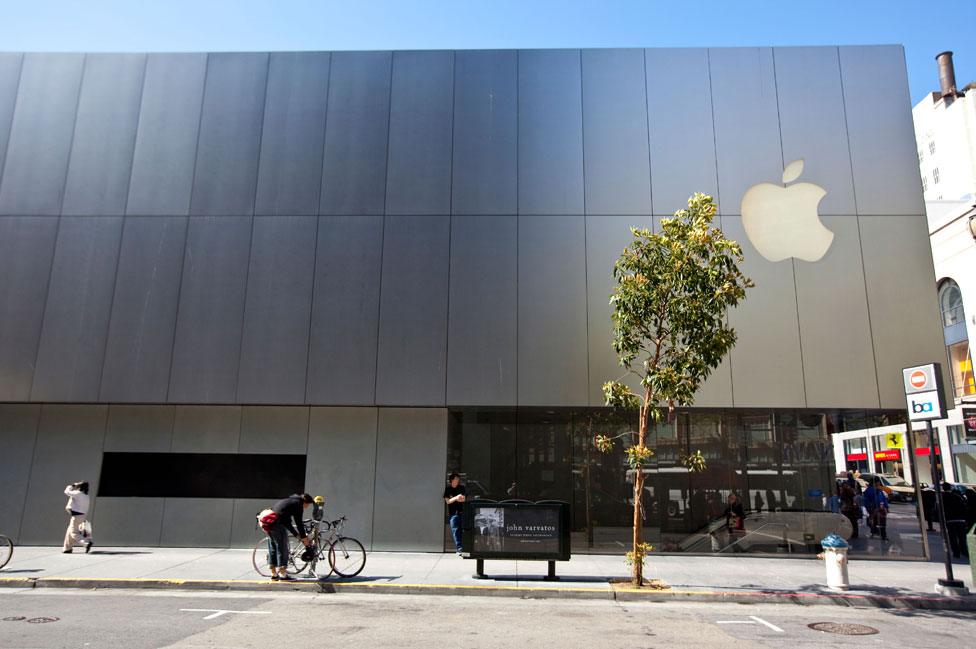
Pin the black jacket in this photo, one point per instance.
(290, 512)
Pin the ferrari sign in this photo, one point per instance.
(893, 440)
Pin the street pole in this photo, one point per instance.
(949, 581)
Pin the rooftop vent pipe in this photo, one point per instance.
(947, 77)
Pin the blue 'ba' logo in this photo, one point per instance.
(921, 407)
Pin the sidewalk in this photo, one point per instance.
(901, 584)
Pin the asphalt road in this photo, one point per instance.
(148, 619)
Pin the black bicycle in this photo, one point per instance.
(343, 554)
(6, 550)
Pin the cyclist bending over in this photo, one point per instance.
(289, 511)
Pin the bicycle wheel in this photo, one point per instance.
(6, 550)
(347, 556)
(259, 558)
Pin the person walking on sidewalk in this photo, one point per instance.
(288, 519)
(77, 508)
(454, 495)
(870, 500)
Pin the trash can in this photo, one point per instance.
(835, 558)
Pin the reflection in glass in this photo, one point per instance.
(769, 485)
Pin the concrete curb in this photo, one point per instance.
(612, 592)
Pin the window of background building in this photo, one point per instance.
(950, 300)
(957, 341)
(920, 156)
(932, 148)
(925, 183)
(935, 175)
(961, 362)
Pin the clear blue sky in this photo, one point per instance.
(924, 28)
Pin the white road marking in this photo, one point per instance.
(753, 620)
(771, 626)
(217, 612)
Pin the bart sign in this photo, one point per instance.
(923, 392)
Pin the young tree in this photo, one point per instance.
(673, 292)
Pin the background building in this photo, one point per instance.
(945, 129)
(224, 277)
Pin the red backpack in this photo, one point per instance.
(267, 518)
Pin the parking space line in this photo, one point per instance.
(217, 612)
(770, 625)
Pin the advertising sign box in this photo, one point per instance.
(516, 530)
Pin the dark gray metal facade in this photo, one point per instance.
(430, 228)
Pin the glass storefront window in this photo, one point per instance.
(775, 467)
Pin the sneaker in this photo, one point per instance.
(286, 577)
(274, 577)
(459, 553)
(88, 547)
(68, 551)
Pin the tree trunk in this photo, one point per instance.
(638, 567)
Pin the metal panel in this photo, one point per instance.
(206, 352)
(10, 65)
(616, 163)
(483, 320)
(18, 431)
(485, 158)
(274, 352)
(197, 522)
(244, 531)
(550, 140)
(747, 141)
(345, 310)
(139, 348)
(290, 173)
(421, 126)
(412, 347)
(270, 430)
(230, 134)
(140, 429)
(105, 131)
(129, 521)
(166, 141)
(356, 133)
(879, 123)
(905, 323)
(679, 103)
(552, 356)
(411, 451)
(606, 238)
(206, 429)
(342, 465)
(40, 135)
(838, 361)
(767, 362)
(68, 449)
(71, 350)
(814, 129)
(26, 251)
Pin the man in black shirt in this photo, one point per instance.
(289, 511)
(454, 498)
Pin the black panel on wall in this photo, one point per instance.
(201, 475)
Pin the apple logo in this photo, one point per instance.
(782, 221)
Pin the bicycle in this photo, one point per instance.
(344, 555)
(6, 550)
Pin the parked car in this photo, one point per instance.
(894, 486)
